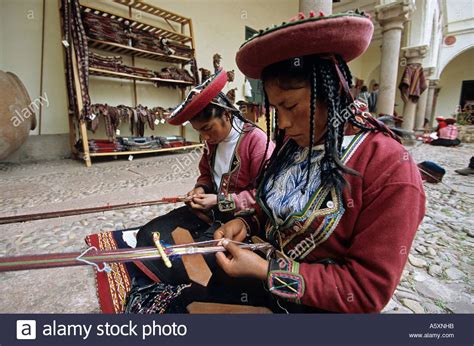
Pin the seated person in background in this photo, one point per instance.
(447, 135)
(441, 123)
(235, 150)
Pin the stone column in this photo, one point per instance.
(435, 100)
(422, 103)
(414, 55)
(432, 86)
(316, 5)
(391, 18)
(421, 111)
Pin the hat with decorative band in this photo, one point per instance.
(345, 34)
(199, 97)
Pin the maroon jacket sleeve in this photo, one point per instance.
(392, 207)
(375, 261)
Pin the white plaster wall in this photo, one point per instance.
(417, 25)
(436, 37)
(54, 117)
(20, 45)
(459, 15)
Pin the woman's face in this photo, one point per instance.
(213, 131)
(294, 112)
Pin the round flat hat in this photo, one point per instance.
(198, 98)
(344, 34)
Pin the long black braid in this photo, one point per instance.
(331, 165)
(268, 123)
(312, 106)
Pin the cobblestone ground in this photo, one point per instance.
(437, 278)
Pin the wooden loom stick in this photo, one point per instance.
(164, 257)
(92, 210)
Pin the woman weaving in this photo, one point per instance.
(234, 154)
(340, 199)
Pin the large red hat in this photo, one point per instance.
(344, 34)
(198, 98)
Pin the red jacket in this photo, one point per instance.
(369, 238)
(239, 184)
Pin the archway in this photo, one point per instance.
(451, 80)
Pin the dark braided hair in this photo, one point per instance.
(323, 75)
(331, 165)
(267, 121)
(279, 136)
(312, 107)
(213, 110)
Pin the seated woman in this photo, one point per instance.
(441, 124)
(234, 154)
(341, 198)
(448, 134)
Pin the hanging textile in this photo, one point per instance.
(413, 83)
(74, 33)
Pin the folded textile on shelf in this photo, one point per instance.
(115, 64)
(172, 72)
(101, 146)
(139, 71)
(140, 143)
(173, 141)
(132, 143)
(112, 63)
(181, 49)
(106, 28)
(148, 41)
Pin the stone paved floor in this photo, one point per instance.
(438, 277)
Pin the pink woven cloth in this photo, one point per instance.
(449, 132)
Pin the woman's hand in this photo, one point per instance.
(233, 230)
(241, 262)
(196, 191)
(203, 201)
